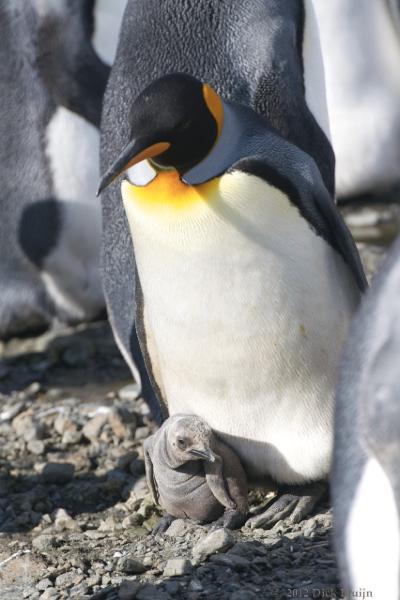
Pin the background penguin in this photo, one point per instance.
(265, 54)
(50, 229)
(361, 51)
(248, 279)
(366, 474)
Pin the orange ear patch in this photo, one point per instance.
(167, 191)
(149, 152)
(214, 104)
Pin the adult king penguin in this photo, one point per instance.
(361, 50)
(52, 83)
(366, 474)
(247, 279)
(264, 54)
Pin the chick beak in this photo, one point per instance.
(204, 453)
(137, 150)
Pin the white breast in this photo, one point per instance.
(108, 16)
(314, 73)
(246, 310)
(71, 271)
(372, 544)
(361, 51)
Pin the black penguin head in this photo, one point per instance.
(175, 121)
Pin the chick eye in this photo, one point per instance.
(181, 443)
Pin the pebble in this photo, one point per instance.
(93, 427)
(123, 423)
(44, 542)
(68, 579)
(178, 528)
(64, 522)
(150, 592)
(243, 595)
(128, 590)
(43, 584)
(127, 564)
(36, 446)
(50, 594)
(58, 472)
(129, 392)
(12, 411)
(237, 563)
(176, 567)
(216, 541)
(172, 587)
(71, 437)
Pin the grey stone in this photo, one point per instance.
(178, 528)
(125, 460)
(238, 563)
(9, 412)
(68, 579)
(128, 564)
(62, 423)
(36, 446)
(172, 587)
(50, 594)
(44, 542)
(195, 586)
(63, 521)
(71, 437)
(123, 423)
(216, 541)
(43, 584)
(150, 592)
(242, 595)
(128, 590)
(93, 427)
(176, 567)
(129, 392)
(142, 433)
(58, 472)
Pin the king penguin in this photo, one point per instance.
(361, 51)
(247, 277)
(52, 84)
(366, 474)
(264, 54)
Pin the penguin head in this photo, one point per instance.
(189, 438)
(175, 121)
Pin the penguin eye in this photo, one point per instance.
(181, 443)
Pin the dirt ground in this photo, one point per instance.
(75, 514)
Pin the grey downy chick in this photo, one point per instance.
(192, 474)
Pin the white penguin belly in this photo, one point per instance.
(246, 310)
(71, 271)
(371, 569)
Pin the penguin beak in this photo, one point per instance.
(137, 150)
(204, 453)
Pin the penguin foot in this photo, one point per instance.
(231, 519)
(294, 505)
(162, 525)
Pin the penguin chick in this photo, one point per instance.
(192, 474)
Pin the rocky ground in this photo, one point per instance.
(75, 515)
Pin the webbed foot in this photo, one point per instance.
(295, 504)
(231, 519)
(162, 525)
